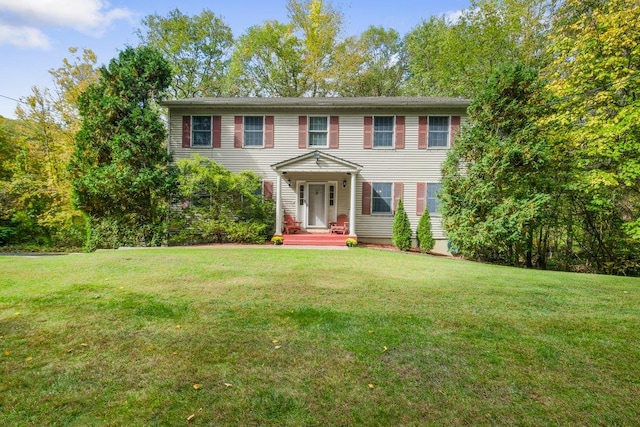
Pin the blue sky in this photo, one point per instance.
(35, 35)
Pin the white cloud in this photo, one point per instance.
(24, 37)
(33, 16)
(452, 16)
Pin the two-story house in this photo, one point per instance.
(324, 157)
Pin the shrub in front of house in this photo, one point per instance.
(401, 231)
(424, 236)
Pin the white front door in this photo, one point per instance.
(317, 212)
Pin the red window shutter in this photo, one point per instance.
(455, 127)
(368, 132)
(186, 131)
(267, 189)
(334, 132)
(237, 131)
(399, 132)
(398, 192)
(302, 132)
(268, 132)
(421, 197)
(366, 198)
(423, 131)
(216, 132)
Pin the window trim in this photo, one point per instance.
(325, 132)
(373, 196)
(209, 132)
(392, 132)
(448, 133)
(244, 132)
(436, 198)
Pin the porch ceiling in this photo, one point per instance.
(316, 161)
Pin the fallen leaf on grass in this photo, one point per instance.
(197, 386)
(84, 344)
(277, 347)
(275, 341)
(28, 359)
(384, 348)
(7, 352)
(191, 417)
(228, 384)
(371, 386)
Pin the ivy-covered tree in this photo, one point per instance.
(401, 231)
(119, 165)
(212, 204)
(498, 193)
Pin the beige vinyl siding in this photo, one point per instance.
(409, 165)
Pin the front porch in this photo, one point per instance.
(315, 190)
(316, 238)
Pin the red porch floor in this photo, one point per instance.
(316, 239)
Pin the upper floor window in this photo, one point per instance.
(433, 203)
(438, 132)
(318, 128)
(383, 131)
(381, 198)
(253, 131)
(201, 131)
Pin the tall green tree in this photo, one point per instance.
(198, 48)
(319, 25)
(268, 62)
(596, 125)
(455, 58)
(37, 196)
(372, 64)
(498, 194)
(119, 165)
(297, 58)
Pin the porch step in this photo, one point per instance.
(314, 239)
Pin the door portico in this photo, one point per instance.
(316, 187)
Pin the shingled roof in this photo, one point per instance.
(343, 103)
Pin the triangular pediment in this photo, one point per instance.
(316, 161)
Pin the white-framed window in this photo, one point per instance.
(433, 203)
(381, 198)
(383, 131)
(201, 127)
(253, 131)
(438, 131)
(318, 130)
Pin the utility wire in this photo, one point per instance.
(13, 99)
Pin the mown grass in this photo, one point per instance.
(304, 337)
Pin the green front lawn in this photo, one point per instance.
(279, 336)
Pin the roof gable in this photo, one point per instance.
(316, 161)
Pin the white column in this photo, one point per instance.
(279, 206)
(352, 208)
